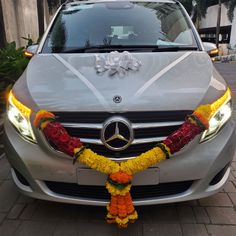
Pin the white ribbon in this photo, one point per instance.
(116, 63)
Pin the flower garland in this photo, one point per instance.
(120, 209)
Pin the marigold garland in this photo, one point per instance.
(120, 209)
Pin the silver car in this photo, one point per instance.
(122, 76)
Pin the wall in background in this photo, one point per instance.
(233, 31)
(21, 20)
(211, 19)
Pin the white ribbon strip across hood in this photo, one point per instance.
(164, 81)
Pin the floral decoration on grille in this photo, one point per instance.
(121, 210)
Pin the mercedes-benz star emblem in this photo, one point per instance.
(117, 134)
(117, 99)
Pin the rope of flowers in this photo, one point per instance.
(121, 209)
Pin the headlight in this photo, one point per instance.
(214, 52)
(218, 120)
(19, 116)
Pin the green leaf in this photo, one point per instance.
(12, 65)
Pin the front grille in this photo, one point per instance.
(100, 192)
(131, 151)
(149, 129)
(133, 117)
(139, 133)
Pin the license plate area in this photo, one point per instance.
(91, 177)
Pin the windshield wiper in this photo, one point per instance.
(98, 48)
(174, 48)
(147, 48)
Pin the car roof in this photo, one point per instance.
(71, 2)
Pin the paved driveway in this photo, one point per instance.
(215, 215)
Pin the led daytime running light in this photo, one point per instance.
(220, 102)
(25, 111)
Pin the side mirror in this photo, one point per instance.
(211, 49)
(31, 51)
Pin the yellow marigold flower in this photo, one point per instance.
(144, 161)
(44, 124)
(204, 110)
(99, 163)
(76, 150)
(115, 191)
(119, 221)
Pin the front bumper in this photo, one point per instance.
(198, 163)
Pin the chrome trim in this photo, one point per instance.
(82, 125)
(136, 141)
(99, 126)
(117, 135)
(148, 140)
(134, 126)
(92, 141)
(155, 125)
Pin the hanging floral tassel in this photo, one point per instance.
(120, 209)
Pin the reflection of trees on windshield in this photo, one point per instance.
(58, 36)
(70, 12)
(166, 17)
(107, 41)
(83, 26)
(87, 44)
(172, 22)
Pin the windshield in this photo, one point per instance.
(119, 24)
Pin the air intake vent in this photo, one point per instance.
(100, 192)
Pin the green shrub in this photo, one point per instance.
(12, 65)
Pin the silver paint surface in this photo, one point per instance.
(54, 87)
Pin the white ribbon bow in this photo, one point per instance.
(116, 62)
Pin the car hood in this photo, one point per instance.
(165, 81)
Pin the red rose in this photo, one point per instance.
(64, 138)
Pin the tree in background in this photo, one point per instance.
(40, 9)
(53, 4)
(231, 5)
(218, 24)
(196, 8)
(188, 5)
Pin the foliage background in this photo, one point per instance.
(12, 65)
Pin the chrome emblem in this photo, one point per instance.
(117, 99)
(117, 134)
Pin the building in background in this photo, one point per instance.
(21, 20)
(207, 28)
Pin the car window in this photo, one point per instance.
(119, 23)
